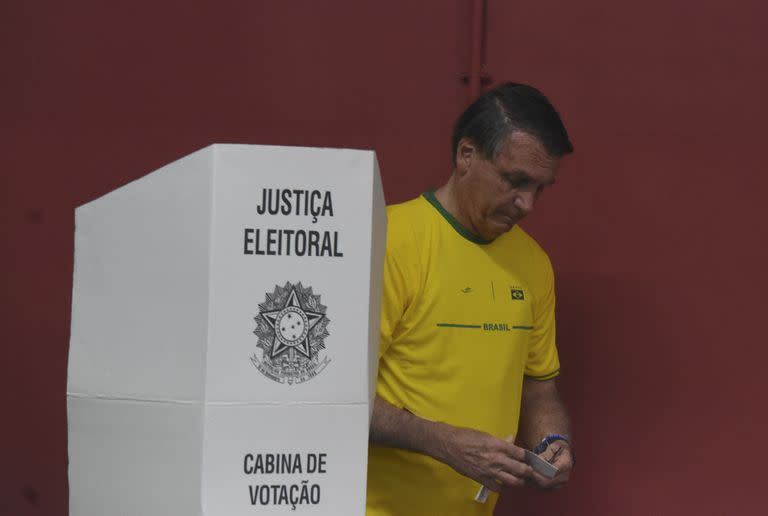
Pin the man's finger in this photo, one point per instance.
(564, 459)
(548, 483)
(510, 480)
(514, 467)
(514, 452)
(491, 485)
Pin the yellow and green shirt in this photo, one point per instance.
(463, 321)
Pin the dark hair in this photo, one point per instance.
(510, 107)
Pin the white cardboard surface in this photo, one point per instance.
(140, 294)
(201, 335)
(134, 457)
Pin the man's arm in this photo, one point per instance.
(542, 413)
(493, 462)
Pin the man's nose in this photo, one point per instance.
(525, 202)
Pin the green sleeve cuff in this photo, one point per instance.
(543, 377)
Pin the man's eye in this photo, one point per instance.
(516, 182)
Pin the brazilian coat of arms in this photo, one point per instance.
(291, 328)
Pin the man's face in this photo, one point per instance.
(493, 196)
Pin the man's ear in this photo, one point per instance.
(466, 151)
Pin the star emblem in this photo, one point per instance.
(292, 325)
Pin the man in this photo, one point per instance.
(468, 328)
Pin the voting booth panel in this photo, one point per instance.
(134, 457)
(313, 463)
(141, 282)
(225, 335)
(309, 242)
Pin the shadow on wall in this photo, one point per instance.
(602, 341)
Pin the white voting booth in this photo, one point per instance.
(224, 336)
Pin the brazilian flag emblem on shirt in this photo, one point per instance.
(517, 294)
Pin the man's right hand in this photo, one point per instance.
(493, 462)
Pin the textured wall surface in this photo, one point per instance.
(655, 226)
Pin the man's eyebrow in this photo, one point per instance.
(519, 173)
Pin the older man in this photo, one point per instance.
(468, 324)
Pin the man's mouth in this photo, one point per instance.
(507, 219)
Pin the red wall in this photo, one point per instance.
(654, 226)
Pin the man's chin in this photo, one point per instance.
(502, 225)
(496, 230)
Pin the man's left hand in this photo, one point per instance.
(559, 455)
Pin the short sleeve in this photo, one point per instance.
(398, 280)
(543, 362)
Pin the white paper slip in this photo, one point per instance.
(482, 494)
(540, 466)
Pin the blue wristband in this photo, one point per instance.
(544, 444)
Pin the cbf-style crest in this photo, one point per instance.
(291, 329)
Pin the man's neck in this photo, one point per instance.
(446, 196)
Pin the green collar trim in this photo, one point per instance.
(461, 230)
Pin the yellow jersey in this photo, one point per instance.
(463, 321)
